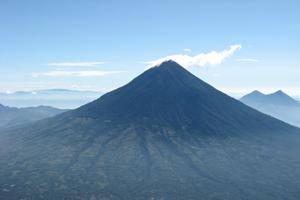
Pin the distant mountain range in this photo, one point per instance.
(61, 98)
(278, 104)
(165, 135)
(51, 91)
(11, 116)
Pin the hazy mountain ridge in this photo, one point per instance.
(46, 91)
(61, 98)
(11, 116)
(278, 104)
(165, 135)
(276, 98)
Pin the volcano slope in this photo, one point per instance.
(164, 135)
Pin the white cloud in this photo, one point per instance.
(76, 64)
(187, 50)
(199, 60)
(247, 60)
(76, 73)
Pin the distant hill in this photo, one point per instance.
(165, 135)
(11, 116)
(60, 98)
(278, 104)
(276, 98)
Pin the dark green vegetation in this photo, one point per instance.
(165, 135)
(11, 116)
(277, 104)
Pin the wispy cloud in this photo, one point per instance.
(60, 73)
(187, 50)
(247, 60)
(199, 60)
(76, 64)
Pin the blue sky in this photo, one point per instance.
(100, 45)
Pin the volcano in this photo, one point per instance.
(277, 98)
(278, 104)
(164, 135)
